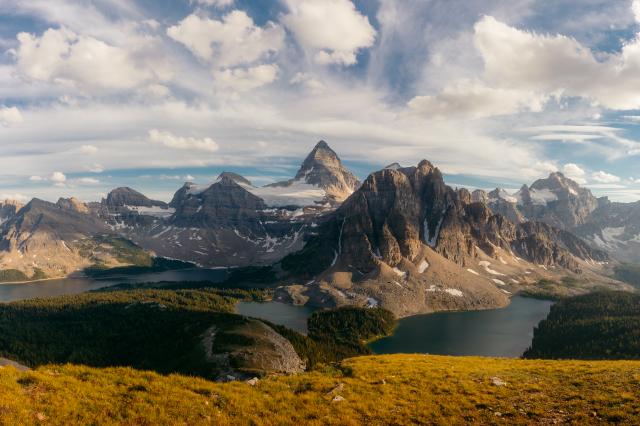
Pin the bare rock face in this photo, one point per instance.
(239, 179)
(8, 209)
(397, 220)
(182, 194)
(223, 204)
(270, 353)
(558, 201)
(125, 196)
(479, 196)
(614, 227)
(40, 236)
(502, 203)
(245, 347)
(73, 204)
(323, 168)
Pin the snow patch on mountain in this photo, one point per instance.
(297, 194)
(542, 197)
(155, 211)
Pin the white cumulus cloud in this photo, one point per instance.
(333, 29)
(575, 172)
(635, 7)
(62, 57)
(604, 177)
(234, 40)
(243, 79)
(475, 100)
(557, 64)
(87, 181)
(170, 140)
(10, 116)
(58, 177)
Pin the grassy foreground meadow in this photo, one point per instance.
(374, 390)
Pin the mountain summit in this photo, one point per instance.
(323, 169)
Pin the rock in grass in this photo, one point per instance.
(497, 381)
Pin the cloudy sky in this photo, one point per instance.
(96, 94)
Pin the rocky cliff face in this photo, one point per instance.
(405, 232)
(558, 201)
(125, 196)
(56, 239)
(8, 209)
(225, 204)
(563, 204)
(614, 227)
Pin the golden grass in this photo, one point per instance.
(377, 390)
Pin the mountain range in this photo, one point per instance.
(402, 239)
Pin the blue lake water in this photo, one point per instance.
(293, 317)
(498, 333)
(501, 332)
(80, 284)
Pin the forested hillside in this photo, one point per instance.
(602, 325)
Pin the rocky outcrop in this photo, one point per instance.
(614, 227)
(225, 204)
(244, 347)
(558, 201)
(239, 179)
(8, 209)
(126, 196)
(73, 204)
(42, 236)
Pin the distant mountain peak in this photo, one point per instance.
(125, 196)
(239, 179)
(324, 169)
(393, 166)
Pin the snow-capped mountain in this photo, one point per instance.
(556, 200)
(563, 203)
(322, 178)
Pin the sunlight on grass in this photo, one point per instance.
(396, 389)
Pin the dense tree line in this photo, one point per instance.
(152, 329)
(340, 333)
(604, 325)
(162, 329)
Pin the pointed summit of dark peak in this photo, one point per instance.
(322, 145)
(393, 166)
(239, 179)
(323, 168)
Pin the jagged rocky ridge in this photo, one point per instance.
(563, 203)
(56, 239)
(231, 222)
(403, 227)
(405, 232)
